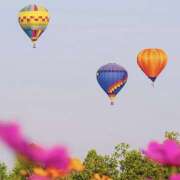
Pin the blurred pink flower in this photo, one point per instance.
(175, 177)
(11, 135)
(36, 177)
(56, 157)
(52, 158)
(167, 153)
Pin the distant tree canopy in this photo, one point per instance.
(123, 164)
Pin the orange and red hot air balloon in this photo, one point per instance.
(152, 62)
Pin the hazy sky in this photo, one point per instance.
(52, 90)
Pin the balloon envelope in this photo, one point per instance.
(33, 20)
(152, 62)
(112, 78)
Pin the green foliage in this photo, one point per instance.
(21, 169)
(125, 164)
(136, 166)
(3, 171)
(172, 135)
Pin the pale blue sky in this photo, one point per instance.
(52, 90)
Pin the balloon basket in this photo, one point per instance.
(152, 84)
(34, 45)
(112, 99)
(112, 103)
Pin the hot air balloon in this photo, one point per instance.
(152, 62)
(33, 20)
(112, 78)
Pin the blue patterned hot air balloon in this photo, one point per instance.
(112, 78)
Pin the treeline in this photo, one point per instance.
(123, 164)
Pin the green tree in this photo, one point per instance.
(3, 172)
(172, 135)
(125, 164)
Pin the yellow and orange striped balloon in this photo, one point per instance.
(152, 62)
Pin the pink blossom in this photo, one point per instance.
(175, 177)
(36, 177)
(56, 157)
(167, 153)
(11, 135)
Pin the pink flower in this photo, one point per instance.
(52, 158)
(11, 135)
(175, 177)
(167, 153)
(36, 177)
(56, 157)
